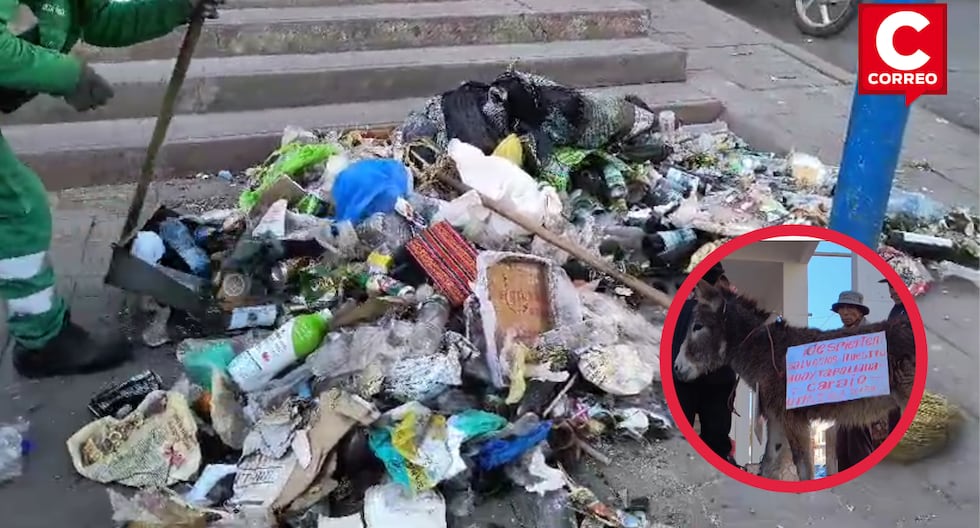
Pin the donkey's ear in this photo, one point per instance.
(707, 294)
(705, 291)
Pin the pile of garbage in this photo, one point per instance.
(377, 347)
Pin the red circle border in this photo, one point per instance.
(918, 384)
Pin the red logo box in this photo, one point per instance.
(902, 49)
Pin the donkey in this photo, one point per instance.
(730, 329)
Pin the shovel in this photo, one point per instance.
(126, 271)
(163, 121)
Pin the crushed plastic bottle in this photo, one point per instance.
(13, 446)
(433, 315)
(176, 235)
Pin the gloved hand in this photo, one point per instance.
(92, 91)
(209, 8)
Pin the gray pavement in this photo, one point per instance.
(960, 106)
(805, 106)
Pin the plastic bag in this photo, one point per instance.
(290, 160)
(13, 446)
(154, 508)
(808, 171)
(350, 351)
(914, 208)
(388, 505)
(369, 186)
(148, 247)
(913, 273)
(619, 349)
(499, 179)
(511, 149)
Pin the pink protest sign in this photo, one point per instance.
(836, 370)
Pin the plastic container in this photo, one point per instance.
(289, 344)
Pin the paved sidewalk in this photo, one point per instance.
(778, 97)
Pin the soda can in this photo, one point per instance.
(234, 285)
(383, 285)
(286, 271)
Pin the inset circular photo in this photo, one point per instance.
(793, 358)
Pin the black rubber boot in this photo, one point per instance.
(73, 351)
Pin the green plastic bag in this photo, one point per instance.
(290, 160)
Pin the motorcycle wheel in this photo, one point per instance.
(823, 23)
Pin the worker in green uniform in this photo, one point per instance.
(45, 342)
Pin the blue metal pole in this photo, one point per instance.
(871, 151)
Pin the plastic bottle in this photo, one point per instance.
(13, 446)
(430, 325)
(290, 343)
(666, 247)
(176, 235)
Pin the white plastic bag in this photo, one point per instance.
(387, 505)
(500, 179)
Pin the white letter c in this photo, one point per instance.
(885, 41)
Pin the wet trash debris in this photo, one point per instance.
(364, 342)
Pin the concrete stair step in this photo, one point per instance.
(294, 30)
(232, 84)
(110, 152)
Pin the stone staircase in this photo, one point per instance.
(334, 64)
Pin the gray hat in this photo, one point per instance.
(850, 298)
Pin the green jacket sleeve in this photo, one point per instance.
(120, 23)
(28, 67)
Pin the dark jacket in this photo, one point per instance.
(724, 375)
(898, 311)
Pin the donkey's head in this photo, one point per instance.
(704, 346)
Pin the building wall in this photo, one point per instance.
(796, 293)
(864, 278)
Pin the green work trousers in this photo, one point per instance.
(35, 312)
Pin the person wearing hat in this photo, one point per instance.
(851, 309)
(898, 310)
(709, 397)
(854, 444)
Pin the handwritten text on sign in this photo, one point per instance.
(836, 370)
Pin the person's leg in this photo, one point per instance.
(45, 343)
(716, 418)
(854, 444)
(688, 396)
(35, 313)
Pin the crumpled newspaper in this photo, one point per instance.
(155, 445)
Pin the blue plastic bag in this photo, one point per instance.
(369, 186)
(500, 451)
